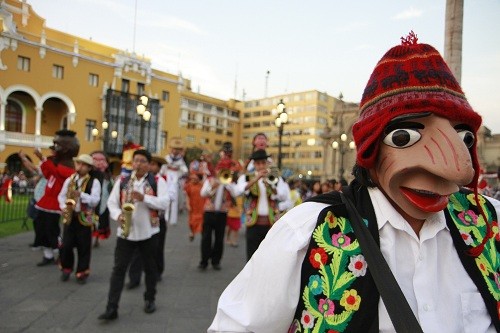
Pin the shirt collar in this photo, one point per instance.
(386, 213)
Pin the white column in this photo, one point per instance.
(38, 121)
(3, 106)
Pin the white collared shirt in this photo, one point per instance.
(141, 228)
(264, 295)
(91, 199)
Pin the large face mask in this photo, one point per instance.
(422, 160)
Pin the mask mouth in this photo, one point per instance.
(426, 201)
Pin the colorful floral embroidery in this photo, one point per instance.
(464, 210)
(358, 265)
(335, 256)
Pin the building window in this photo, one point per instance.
(218, 142)
(165, 95)
(229, 134)
(23, 64)
(58, 72)
(190, 138)
(164, 136)
(90, 124)
(125, 86)
(140, 88)
(93, 80)
(13, 117)
(191, 126)
(206, 119)
(218, 131)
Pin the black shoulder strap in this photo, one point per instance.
(399, 310)
(152, 182)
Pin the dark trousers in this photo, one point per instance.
(47, 229)
(76, 235)
(254, 236)
(213, 222)
(136, 266)
(123, 255)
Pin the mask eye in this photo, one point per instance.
(467, 137)
(402, 138)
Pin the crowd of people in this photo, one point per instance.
(410, 245)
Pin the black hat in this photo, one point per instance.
(227, 147)
(259, 155)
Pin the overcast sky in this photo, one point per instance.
(328, 45)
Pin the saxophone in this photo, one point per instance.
(128, 207)
(67, 212)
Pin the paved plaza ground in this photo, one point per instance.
(33, 299)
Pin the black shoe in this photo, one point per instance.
(65, 276)
(46, 261)
(110, 314)
(132, 285)
(216, 267)
(149, 306)
(82, 279)
(202, 267)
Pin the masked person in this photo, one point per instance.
(55, 169)
(78, 198)
(135, 202)
(416, 152)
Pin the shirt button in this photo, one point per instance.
(426, 307)
(420, 257)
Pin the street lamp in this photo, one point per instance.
(279, 122)
(144, 115)
(341, 147)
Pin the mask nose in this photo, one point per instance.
(449, 157)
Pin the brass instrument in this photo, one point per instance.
(128, 207)
(70, 202)
(273, 176)
(225, 176)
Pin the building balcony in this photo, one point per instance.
(25, 140)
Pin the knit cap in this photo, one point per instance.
(410, 78)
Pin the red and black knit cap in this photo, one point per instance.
(410, 78)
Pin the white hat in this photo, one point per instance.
(84, 158)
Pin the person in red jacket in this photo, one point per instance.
(55, 169)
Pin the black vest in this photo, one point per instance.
(337, 291)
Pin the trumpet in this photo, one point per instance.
(128, 207)
(225, 176)
(273, 176)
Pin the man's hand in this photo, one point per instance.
(137, 196)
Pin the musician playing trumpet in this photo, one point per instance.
(78, 198)
(264, 192)
(219, 196)
(148, 195)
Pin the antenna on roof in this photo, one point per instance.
(267, 79)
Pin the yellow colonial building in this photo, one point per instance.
(50, 80)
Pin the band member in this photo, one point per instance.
(263, 192)
(136, 265)
(129, 147)
(103, 174)
(219, 197)
(415, 202)
(78, 198)
(55, 169)
(175, 170)
(135, 202)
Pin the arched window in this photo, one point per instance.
(13, 117)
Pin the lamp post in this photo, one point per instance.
(342, 149)
(279, 122)
(144, 115)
